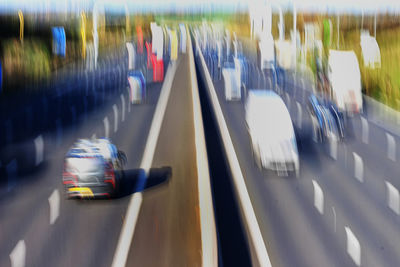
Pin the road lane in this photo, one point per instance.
(86, 232)
(168, 229)
(296, 233)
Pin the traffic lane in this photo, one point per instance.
(373, 211)
(91, 237)
(38, 187)
(168, 228)
(277, 201)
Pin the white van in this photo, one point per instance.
(345, 80)
(271, 132)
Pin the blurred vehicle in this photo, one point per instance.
(327, 121)
(232, 81)
(271, 132)
(345, 81)
(93, 168)
(137, 86)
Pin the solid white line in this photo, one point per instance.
(17, 256)
(393, 198)
(54, 202)
(106, 127)
(241, 190)
(207, 220)
(132, 213)
(353, 246)
(39, 146)
(115, 109)
(318, 197)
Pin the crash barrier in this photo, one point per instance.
(137, 86)
(259, 252)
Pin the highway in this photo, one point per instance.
(338, 212)
(342, 210)
(40, 227)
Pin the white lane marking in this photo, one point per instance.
(393, 198)
(299, 115)
(106, 127)
(39, 147)
(334, 218)
(115, 109)
(365, 130)
(318, 197)
(333, 147)
(358, 167)
(132, 213)
(353, 246)
(241, 189)
(391, 147)
(17, 256)
(208, 232)
(54, 202)
(123, 107)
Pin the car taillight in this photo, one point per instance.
(68, 177)
(109, 174)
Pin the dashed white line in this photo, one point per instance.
(115, 109)
(54, 202)
(391, 147)
(123, 107)
(39, 147)
(365, 130)
(299, 115)
(132, 213)
(106, 127)
(17, 256)
(333, 147)
(392, 198)
(334, 218)
(353, 246)
(318, 197)
(358, 167)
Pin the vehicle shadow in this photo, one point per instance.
(135, 180)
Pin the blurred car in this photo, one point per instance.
(327, 120)
(271, 132)
(93, 168)
(345, 81)
(232, 83)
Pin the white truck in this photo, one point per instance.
(345, 81)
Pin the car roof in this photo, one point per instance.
(94, 148)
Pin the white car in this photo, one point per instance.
(271, 132)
